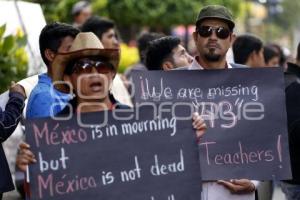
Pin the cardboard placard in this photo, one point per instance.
(245, 113)
(132, 156)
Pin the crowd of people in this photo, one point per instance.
(82, 61)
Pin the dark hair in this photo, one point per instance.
(143, 42)
(97, 25)
(159, 50)
(279, 50)
(52, 35)
(269, 53)
(243, 46)
(298, 52)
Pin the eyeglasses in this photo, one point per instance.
(85, 66)
(207, 31)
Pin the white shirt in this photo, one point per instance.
(195, 65)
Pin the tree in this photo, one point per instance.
(13, 58)
(287, 19)
(60, 10)
(161, 13)
(151, 13)
(131, 15)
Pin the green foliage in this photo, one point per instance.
(60, 10)
(161, 13)
(99, 7)
(64, 9)
(13, 58)
(288, 18)
(153, 13)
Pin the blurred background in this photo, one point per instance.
(271, 20)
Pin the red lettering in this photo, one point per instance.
(83, 184)
(227, 159)
(259, 155)
(45, 185)
(218, 158)
(82, 136)
(252, 157)
(40, 134)
(54, 139)
(206, 148)
(242, 154)
(235, 158)
(58, 186)
(63, 186)
(269, 154)
(70, 186)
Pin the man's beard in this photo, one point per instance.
(212, 57)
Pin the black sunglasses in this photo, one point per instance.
(85, 66)
(206, 31)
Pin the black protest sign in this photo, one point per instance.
(245, 113)
(121, 155)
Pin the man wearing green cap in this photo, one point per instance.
(213, 37)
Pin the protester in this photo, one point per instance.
(248, 50)
(143, 43)
(279, 50)
(298, 55)
(291, 188)
(9, 120)
(96, 68)
(105, 30)
(166, 54)
(271, 56)
(213, 37)
(45, 100)
(81, 11)
(294, 68)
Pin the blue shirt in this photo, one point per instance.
(45, 100)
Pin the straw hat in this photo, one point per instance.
(84, 45)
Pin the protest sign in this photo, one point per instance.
(245, 113)
(125, 154)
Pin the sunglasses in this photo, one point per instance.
(207, 31)
(85, 66)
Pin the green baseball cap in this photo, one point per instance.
(216, 12)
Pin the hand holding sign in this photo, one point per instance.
(199, 125)
(238, 186)
(24, 157)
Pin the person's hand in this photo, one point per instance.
(199, 125)
(24, 157)
(17, 88)
(239, 186)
